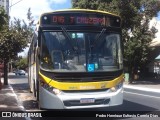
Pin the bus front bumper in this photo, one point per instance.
(79, 100)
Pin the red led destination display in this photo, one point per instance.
(78, 20)
(82, 19)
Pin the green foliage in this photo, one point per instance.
(14, 38)
(3, 18)
(30, 26)
(136, 16)
(30, 17)
(21, 63)
(12, 41)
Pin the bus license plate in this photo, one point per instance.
(87, 100)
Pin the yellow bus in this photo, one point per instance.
(75, 60)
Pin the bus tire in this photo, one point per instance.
(39, 107)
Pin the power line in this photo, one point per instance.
(15, 3)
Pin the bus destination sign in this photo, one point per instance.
(82, 19)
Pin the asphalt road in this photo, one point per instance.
(134, 100)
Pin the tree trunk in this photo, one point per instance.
(131, 74)
(5, 73)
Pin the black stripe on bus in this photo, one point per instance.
(82, 76)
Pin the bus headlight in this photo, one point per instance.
(115, 88)
(50, 88)
(56, 91)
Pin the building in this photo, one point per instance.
(5, 5)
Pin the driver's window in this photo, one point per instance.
(107, 59)
(57, 59)
(108, 48)
(111, 48)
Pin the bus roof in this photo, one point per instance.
(81, 10)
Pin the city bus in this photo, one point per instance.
(76, 60)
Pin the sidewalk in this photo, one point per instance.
(8, 99)
(9, 103)
(147, 84)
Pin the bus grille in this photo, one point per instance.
(82, 77)
(70, 103)
(80, 91)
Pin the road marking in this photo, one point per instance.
(142, 95)
(36, 110)
(142, 88)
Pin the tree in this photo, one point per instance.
(3, 18)
(21, 63)
(136, 16)
(31, 24)
(13, 39)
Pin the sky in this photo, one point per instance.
(19, 9)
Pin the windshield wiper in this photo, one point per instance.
(75, 49)
(99, 38)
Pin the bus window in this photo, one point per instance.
(57, 59)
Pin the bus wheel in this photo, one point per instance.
(38, 105)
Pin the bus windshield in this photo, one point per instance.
(81, 51)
